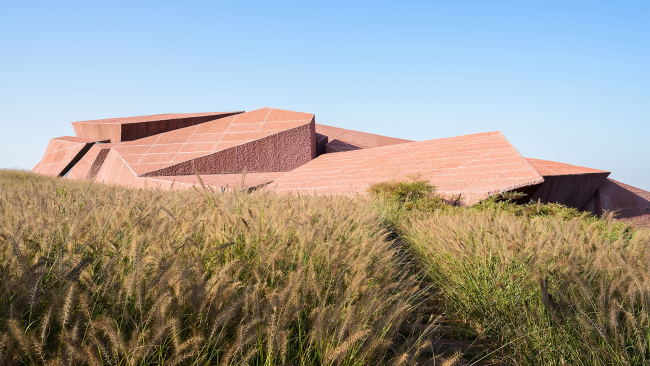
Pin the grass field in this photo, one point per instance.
(101, 275)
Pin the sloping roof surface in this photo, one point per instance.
(356, 138)
(262, 140)
(61, 154)
(548, 168)
(133, 128)
(566, 184)
(474, 166)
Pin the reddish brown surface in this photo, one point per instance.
(340, 146)
(355, 138)
(566, 184)
(90, 163)
(226, 181)
(628, 202)
(61, 154)
(474, 166)
(549, 168)
(321, 142)
(265, 140)
(116, 171)
(133, 128)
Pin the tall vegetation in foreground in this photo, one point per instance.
(548, 284)
(102, 275)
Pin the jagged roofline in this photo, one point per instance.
(475, 165)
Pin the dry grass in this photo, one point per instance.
(100, 275)
(548, 290)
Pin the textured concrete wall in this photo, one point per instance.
(116, 171)
(260, 141)
(133, 128)
(92, 161)
(566, 184)
(279, 152)
(61, 154)
(473, 166)
(629, 203)
(361, 140)
(569, 190)
(335, 146)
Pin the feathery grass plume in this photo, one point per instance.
(120, 279)
(4, 339)
(453, 360)
(402, 360)
(532, 282)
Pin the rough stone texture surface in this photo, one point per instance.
(566, 184)
(263, 140)
(298, 156)
(321, 143)
(355, 138)
(216, 181)
(90, 163)
(61, 154)
(628, 202)
(133, 128)
(340, 146)
(473, 166)
(116, 171)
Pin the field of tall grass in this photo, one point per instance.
(100, 275)
(547, 284)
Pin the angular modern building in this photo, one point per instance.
(288, 152)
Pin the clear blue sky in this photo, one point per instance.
(563, 80)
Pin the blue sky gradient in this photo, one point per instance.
(564, 81)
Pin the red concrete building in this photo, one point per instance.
(288, 152)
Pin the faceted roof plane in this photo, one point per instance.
(288, 152)
(152, 118)
(473, 166)
(567, 184)
(133, 128)
(548, 168)
(627, 202)
(61, 154)
(178, 152)
(247, 180)
(356, 139)
(91, 162)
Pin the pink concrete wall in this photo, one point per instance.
(133, 128)
(279, 152)
(61, 154)
(116, 171)
(473, 166)
(97, 131)
(629, 203)
(335, 146)
(261, 140)
(90, 163)
(361, 140)
(566, 184)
